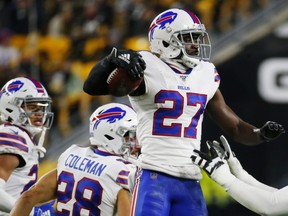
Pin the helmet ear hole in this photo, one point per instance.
(165, 44)
(9, 110)
(108, 137)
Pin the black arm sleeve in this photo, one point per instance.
(96, 84)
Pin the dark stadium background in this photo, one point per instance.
(266, 162)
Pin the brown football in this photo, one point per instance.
(120, 84)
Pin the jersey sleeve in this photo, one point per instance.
(258, 200)
(253, 196)
(12, 141)
(124, 174)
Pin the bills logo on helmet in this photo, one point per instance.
(166, 18)
(110, 115)
(12, 87)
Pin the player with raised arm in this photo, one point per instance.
(25, 110)
(180, 84)
(94, 180)
(221, 164)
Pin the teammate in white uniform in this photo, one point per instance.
(179, 85)
(94, 180)
(225, 169)
(25, 111)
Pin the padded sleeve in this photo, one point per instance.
(6, 200)
(96, 84)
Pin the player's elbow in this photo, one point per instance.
(87, 88)
(28, 197)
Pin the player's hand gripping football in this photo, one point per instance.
(130, 61)
(270, 131)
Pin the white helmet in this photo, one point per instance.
(108, 126)
(16, 94)
(171, 34)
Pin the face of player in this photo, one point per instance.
(35, 111)
(131, 139)
(191, 42)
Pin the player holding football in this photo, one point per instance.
(180, 84)
(94, 180)
(223, 167)
(25, 110)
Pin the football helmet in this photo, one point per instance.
(178, 35)
(20, 99)
(113, 127)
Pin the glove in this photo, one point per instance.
(207, 161)
(130, 61)
(270, 131)
(224, 151)
(45, 209)
(214, 166)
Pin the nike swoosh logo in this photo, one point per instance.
(15, 132)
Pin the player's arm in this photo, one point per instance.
(123, 202)
(237, 129)
(8, 163)
(262, 200)
(43, 191)
(96, 82)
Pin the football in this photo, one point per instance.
(120, 84)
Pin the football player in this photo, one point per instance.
(180, 84)
(225, 169)
(94, 180)
(25, 110)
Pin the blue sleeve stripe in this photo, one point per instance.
(12, 136)
(14, 144)
(122, 181)
(124, 172)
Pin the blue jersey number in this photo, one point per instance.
(33, 172)
(82, 201)
(175, 112)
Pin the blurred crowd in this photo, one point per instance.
(58, 41)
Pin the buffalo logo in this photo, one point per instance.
(166, 18)
(110, 115)
(12, 87)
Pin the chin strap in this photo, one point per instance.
(41, 150)
(176, 63)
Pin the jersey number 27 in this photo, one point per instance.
(175, 129)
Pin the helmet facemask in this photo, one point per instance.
(35, 114)
(194, 45)
(130, 144)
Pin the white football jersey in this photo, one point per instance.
(170, 115)
(89, 181)
(14, 140)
